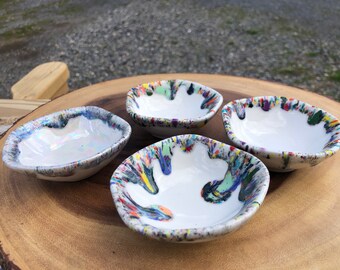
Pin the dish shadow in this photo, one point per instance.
(277, 179)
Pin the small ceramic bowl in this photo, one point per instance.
(286, 134)
(172, 107)
(188, 188)
(69, 145)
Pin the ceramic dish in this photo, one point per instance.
(188, 188)
(286, 134)
(167, 108)
(69, 145)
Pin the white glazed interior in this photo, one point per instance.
(180, 191)
(278, 130)
(80, 139)
(184, 106)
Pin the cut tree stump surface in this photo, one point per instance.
(47, 225)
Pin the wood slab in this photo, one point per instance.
(46, 225)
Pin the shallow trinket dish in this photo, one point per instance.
(188, 188)
(286, 134)
(172, 107)
(69, 145)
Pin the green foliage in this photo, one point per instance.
(313, 54)
(252, 32)
(335, 76)
(23, 31)
(290, 70)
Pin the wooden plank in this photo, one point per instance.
(9, 107)
(12, 110)
(47, 225)
(61, 91)
(43, 82)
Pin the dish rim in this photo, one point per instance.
(12, 141)
(327, 151)
(149, 121)
(199, 233)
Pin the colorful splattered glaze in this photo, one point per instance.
(69, 145)
(162, 172)
(196, 105)
(310, 134)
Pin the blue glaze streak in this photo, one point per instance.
(164, 162)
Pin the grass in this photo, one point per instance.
(26, 31)
(30, 13)
(30, 27)
(71, 9)
(284, 26)
(252, 32)
(6, 15)
(290, 70)
(303, 79)
(66, 8)
(16, 44)
(228, 15)
(231, 43)
(3, 19)
(335, 76)
(4, 2)
(27, 28)
(23, 31)
(313, 54)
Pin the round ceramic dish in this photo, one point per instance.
(167, 108)
(188, 188)
(69, 145)
(286, 134)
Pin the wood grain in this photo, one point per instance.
(45, 81)
(12, 110)
(19, 108)
(61, 91)
(47, 225)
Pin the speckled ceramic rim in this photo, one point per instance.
(194, 234)
(10, 158)
(230, 108)
(166, 122)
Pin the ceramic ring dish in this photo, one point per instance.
(68, 145)
(286, 134)
(188, 188)
(171, 107)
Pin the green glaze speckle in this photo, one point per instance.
(315, 118)
(160, 90)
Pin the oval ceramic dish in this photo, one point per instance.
(286, 134)
(188, 188)
(69, 145)
(171, 107)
